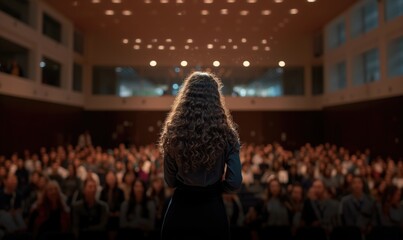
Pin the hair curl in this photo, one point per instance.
(199, 126)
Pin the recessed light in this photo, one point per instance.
(137, 47)
(210, 46)
(224, 11)
(109, 12)
(154, 40)
(125, 41)
(116, 1)
(267, 48)
(186, 46)
(244, 12)
(244, 40)
(255, 48)
(246, 63)
(208, 1)
(138, 40)
(161, 47)
(149, 46)
(235, 47)
(147, 1)
(153, 63)
(204, 12)
(127, 12)
(168, 40)
(293, 11)
(266, 12)
(184, 63)
(311, 1)
(278, 1)
(164, 1)
(189, 40)
(222, 46)
(96, 1)
(264, 41)
(172, 48)
(251, 1)
(281, 63)
(179, 1)
(216, 63)
(230, 1)
(230, 40)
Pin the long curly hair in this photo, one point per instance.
(199, 127)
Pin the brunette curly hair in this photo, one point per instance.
(199, 127)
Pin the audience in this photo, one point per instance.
(119, 193)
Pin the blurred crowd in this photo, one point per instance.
(12, 67)
(87, 191)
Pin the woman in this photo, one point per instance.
(137, 215)
(199, 143)
(50, 214)
(113, 196)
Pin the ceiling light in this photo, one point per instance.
(153, 63)
(186, 46)
(281, 63)
(161, 47)
(149, 46)
(164, 1)
(127, 12)
(168, 40)
(208, 1)
(204, 12)
(278, 1)
(244, 12)
(222, 46)
(216, 63)
(75, 3)
(235, 47)
(255, 48)
(154, 40)
(210, 46)
(96, 1)
(179, 1)
(137, 47)
(147, 1)
(264, 41)
(229, 40)
(109, 12)
(189, 40)
(267, 48)
(266, 12)
(243, 40)
(116, 1)
(230, 1)
(251, 1)
(125, 41)
(311, 1)
(184, 63)
(172, 48)
(246, 63)
(224, 11)
(138, 40)
(293, 11)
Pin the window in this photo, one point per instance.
(16, 9)
(366, 67)
(293, 81)
(338, 77)
(395, 57)
(51, 72)
(13, 58)
(317, 80)
(393, 9)
(364, 18)
(77, 77)
(336, 35)
(52, 28)
(78, 42)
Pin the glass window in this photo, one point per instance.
(395, 57)
(52, 28)
(337, 34)
(364, 18)
(51, 72)
(13, 58)
(338, 77)
(17, 9)
(393, 9)
(78, 42)
(366, 67)
(317, 80)
(77, 77)
(238, 81)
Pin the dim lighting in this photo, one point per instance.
(189, 40)
(153, 63)
(204, 12)
(293, 11)
(281, 63)
(243, 40)
(210, 46)
(116, 1)
(224, 11)
(244, 12)
(172, 48)
(125, 41)
(216, 63)
(266, 12)
(109, 12)
(127, 12)
(149, 46)
(246, 63)
(136, 47)
(161, 47)
(184, 63)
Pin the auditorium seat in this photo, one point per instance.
(275, 233)
(346, 233)
(309, 233)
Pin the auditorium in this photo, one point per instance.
(112, 128)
